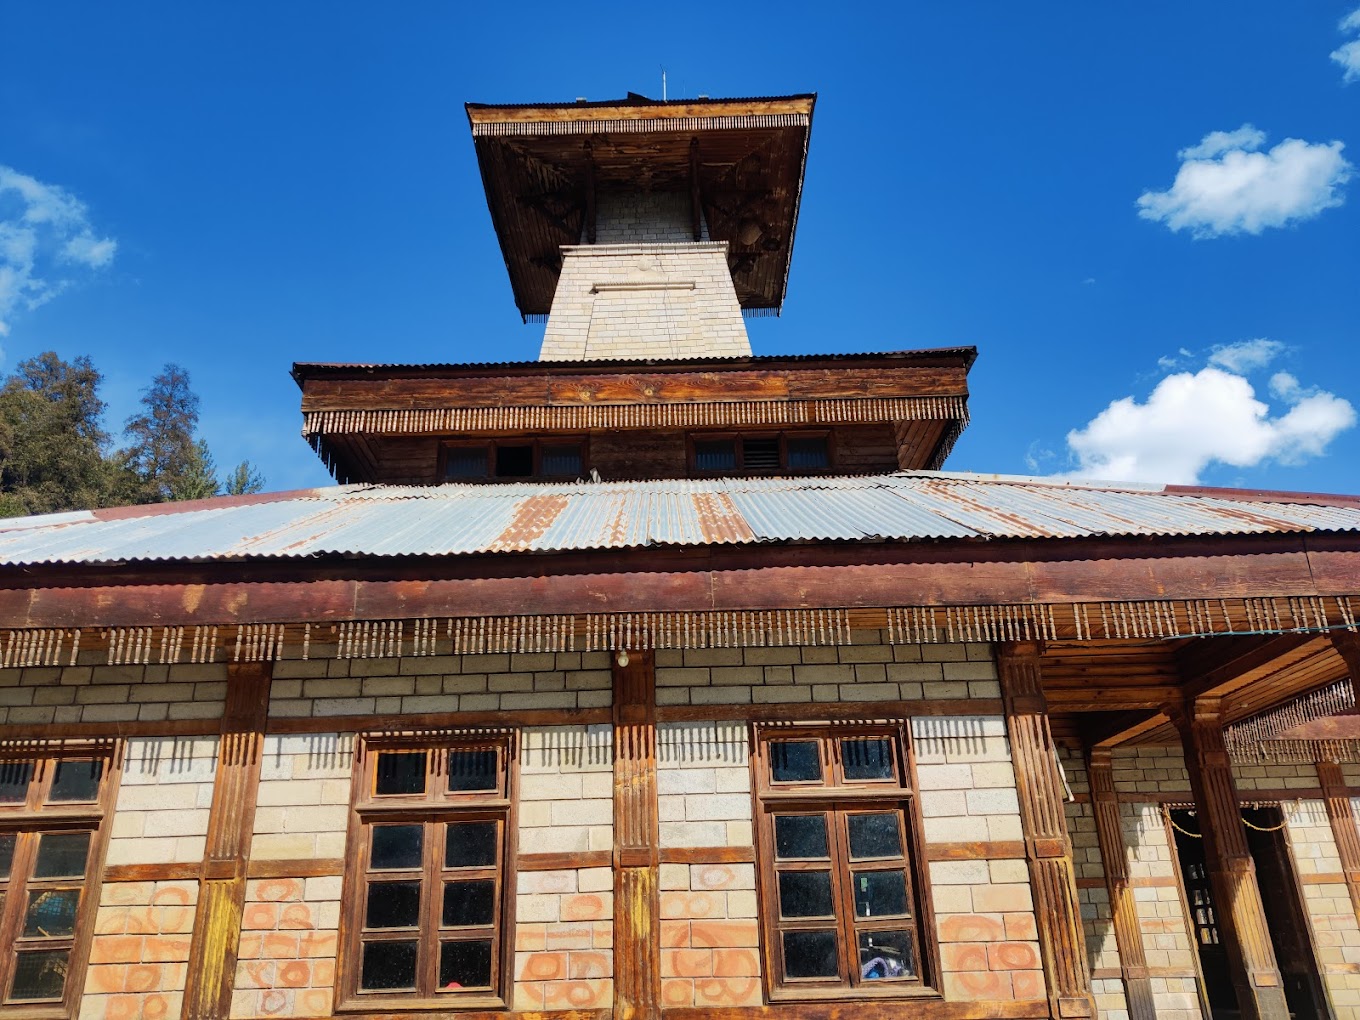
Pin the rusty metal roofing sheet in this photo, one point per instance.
(372, 520)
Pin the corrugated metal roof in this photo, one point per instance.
(375, 520)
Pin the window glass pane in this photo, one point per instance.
(866, 759)
(51, 913)
(397, 846)
(875, 835)
(561, 460)
(465, 964)
(810, 954)
(469, 903)
(886, 954)
(388, 965)
(62, 855)
(14, 779)
(76, 780)
(514, 461)
(471, 771)
(393, 905)
(880, 893)
(466, 462)
(805, 894)
(399, 772)
(40, 975)
(807, 453)
(470, 845)
(799, 836)
(795, 761)
(7, 841)
(715, 455)
(760, 454)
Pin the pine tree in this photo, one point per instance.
(163, 451)
(243, 480)
(199, 478)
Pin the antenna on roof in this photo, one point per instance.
(663, 84)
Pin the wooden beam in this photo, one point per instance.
(1125, 727)
(231, 822)
(1232, 872)
(1128, 932)
(637, 896)
(696, 212)
(591, 191)
(1044, 824)
(1341, 813)
(1211, 666)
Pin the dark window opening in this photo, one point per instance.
(464, 462)
(767, 454)
(514, 461)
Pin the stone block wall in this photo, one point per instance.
(139, 956)
(645, 301)
(161, 812)
(644, 217)
(286, 959)
(93, 692)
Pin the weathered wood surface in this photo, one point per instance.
(1341, 815)
(1128, 933)
(217, 921)
(1043, 820)
(1232, 872)
(637, 895)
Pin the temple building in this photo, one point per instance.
(660, 678)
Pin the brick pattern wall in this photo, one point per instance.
(644, 217)
(867, 670)
(303, 806)
(984, 910)
(161, 814)
(90, 692)
(709, 935)
(564, 956)
(1336, 933)
(140, 951)
(440, 683)
(645, 301)
(564, 948)
(286, 960)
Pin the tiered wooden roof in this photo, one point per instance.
(741, 161)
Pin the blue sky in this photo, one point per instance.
(1103, 198)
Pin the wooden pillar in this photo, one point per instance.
(637, 907)
(1232, 873)
(1047, 847)
(1341, 814)
(231, 822)
(1128, 932)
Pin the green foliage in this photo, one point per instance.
(55, 454)
(53, 447)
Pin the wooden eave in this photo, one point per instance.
(816, 575)
(345, 406)
(542, 165)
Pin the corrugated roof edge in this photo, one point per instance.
(813, 481)
(303, 368)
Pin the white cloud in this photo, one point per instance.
(1348, 54)
(1226, 186)
(1245, 355)
(1211, 416)
(1215, 143)
(45, 232)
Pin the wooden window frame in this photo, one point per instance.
(738, 440)
(837, 798)
(433, 809)
(491, 446)
(28, 822)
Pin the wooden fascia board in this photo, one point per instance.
(589, 112)
(651, 580)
